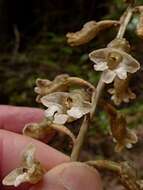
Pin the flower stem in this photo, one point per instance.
(97, 93)
(96, 96)
(125, 20)
(105, 164)
(80, 138)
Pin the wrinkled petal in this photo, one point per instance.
(121, 73)
(20, 179)
(56, 97)
(52, 110)
(101, 66)
(60, 118)
(98, 56)
(28, 156)
(15, 177)
(132, 65)
(108, 76)
(75, 112)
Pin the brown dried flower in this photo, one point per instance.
(66, 107)
(113, 61)
(45, 130)
(61, 83)
(30, 170)
(41, 131)
(123, 136)
(45, 86)
(89, 31)
(121, 91)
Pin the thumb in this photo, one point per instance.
(70, 176)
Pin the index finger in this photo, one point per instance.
(13, 118)
(11, 149)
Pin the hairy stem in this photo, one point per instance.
(80, 139)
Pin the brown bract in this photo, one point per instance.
(30, 170)
(89, 31)
(123, 136)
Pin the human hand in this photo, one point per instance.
(61, 175)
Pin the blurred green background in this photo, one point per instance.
(33, 44)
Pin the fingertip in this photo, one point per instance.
(12, 146)
(71, 176)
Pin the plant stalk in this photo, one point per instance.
(125, 20)
(80, 138)
(97, 93)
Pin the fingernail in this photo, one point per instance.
(80, 176)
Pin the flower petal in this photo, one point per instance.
(60, 118)
(52, 110)
(56, 98)
(15, 177)
(98, 56)
(101, 66)
(132, 65)
(75, 112)
(121, 72)
(20, 179)
(28, 156)
(108, 76)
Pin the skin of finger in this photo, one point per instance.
(14, 118)
(12, 146)
(70, 176)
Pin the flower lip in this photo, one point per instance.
(113, 60)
